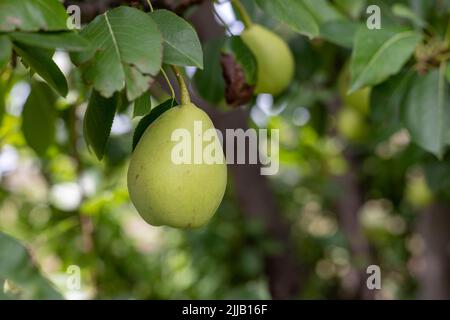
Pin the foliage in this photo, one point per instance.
(70, 208)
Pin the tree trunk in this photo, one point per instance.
(434, 278)
(347, 209)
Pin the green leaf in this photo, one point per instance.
(303, 16)
(32, 15)
(322, 10)
(386, 101)
(142, 105)
(438, 176)
(41, 62)
(17, 266)
(69, 41)
(340, 32)
(294, 13)
(353, 8)
(378, 54)
(422, 9)
(5, 51)
(39, 117)
(98, 121)
(150, 118)
(402, 11)
(243, 56)
(181, 44)
(209, 81)
(426, 111)
(127, 53)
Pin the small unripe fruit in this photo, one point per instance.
(351, 125)
(417, 193)
(360, 99)
(274, 58)
(171, 194)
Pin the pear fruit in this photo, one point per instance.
(351, 124)
(274, 58)
(166, 192)
(360, 99)
(417, 193)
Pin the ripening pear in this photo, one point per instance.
(166, 192)
(360, 99)
(351, 124)
(275, 60)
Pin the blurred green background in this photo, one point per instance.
(340, 203)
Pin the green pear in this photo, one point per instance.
(360, 99)
(165, 192)
(274, 58)
(351, 124)
(417, 193)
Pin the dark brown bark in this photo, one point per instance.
(257, 202)
(93, 8)
(89, 10)
(434, 277)
(179, 7)
(348, 206)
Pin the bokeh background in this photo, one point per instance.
(336, 206)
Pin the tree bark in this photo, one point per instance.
(92, 9)
(434, 278)
(257, 202)
(347, 208)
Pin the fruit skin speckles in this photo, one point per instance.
(175, 195)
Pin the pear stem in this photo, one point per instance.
(184, 92)
(243, 13)
(150, 5)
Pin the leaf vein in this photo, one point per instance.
(382, 49)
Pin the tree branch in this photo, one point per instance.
(89, 10)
